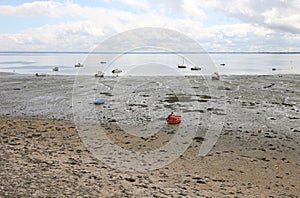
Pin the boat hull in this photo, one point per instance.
(174, 120)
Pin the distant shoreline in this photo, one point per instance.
(111, 76)
(138, 52)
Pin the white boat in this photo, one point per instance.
(40, 74)
(215, 76)
(55, 69)
(99, 74)
(78, 65)
(182, 66)
(116, 71)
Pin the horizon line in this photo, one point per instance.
(151, 52)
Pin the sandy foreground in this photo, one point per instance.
(257, 154)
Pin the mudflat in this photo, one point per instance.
(256, 155)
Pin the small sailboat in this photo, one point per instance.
(182, 66)
(99, 74)
(55, 69)
(78, 65)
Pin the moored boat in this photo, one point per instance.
(78, 65)
(215, 76)
(116, 71)
(195, 68)
(182, 66)
(99, 74)
(99, 101)
(40, 74)
(173, 119)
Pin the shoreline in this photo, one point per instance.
(120, 76)
(86, 52)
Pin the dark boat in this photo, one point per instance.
(116, 71)
(78, 65)
(195, 68)
(181, 66)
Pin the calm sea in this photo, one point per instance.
(150, 63)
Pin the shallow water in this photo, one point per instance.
(150, 64)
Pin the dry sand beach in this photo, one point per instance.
(256, 155)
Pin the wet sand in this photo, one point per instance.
(257, 154)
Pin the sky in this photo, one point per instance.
(217, 25)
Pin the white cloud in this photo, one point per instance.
(137, 4)
(284, 20)
(258, 30)
(97, 24)
(36, 8)
(167, 6)
(277, 14)
(192, 10)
